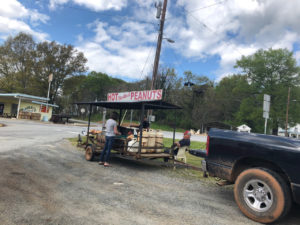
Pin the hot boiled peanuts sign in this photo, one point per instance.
(135, 96)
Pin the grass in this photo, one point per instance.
(194, 144)
(164, 127)
(191, 159)
(73, 141)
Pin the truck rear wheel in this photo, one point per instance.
(89, 153)
(262, 195)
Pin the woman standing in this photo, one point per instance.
(111, 132)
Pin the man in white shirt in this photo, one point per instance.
(111, 132)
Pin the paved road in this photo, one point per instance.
(45, 180)
(25, 133)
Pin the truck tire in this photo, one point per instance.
(262, 195)
(89, 152)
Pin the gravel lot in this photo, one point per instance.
(48, 181)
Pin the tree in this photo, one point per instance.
(26, 65)
(270, 72)
(229, 94)
(63, 61)
(17, 61)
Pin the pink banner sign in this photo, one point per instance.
(135, 96)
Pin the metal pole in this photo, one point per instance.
(48, 97)
(103, 118)
(141, 128)
(159, 41)
(89, 123)
(130, 118)
(287, 113)
(120, 117)
(174, 130)
(266, 122)
(19, 105)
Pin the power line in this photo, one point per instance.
(205, 7)
(146, 61)
(211, 30)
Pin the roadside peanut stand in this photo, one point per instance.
(145, 144)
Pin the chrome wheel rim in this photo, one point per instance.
(258, 195)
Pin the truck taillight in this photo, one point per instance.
(207, 145)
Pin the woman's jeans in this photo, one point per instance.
(109, 140)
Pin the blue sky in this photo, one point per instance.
(118, 37)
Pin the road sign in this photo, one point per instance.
(50, 78)
(266, 115)
(266, 109)
(267, 98)
(266, 106)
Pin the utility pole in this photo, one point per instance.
(159, 39)
(287, 113)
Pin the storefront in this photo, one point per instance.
(25, 106)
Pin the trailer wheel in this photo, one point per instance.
(262, 195)
(89, 152)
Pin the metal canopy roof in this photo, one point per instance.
(43, 103)
(132, 105)
(24, 96)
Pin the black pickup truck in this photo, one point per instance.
(265, 171)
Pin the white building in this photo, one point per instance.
(244, 128)
(292, 131)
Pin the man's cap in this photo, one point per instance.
(187, 133)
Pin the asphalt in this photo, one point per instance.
(45, 180)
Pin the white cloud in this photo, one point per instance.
(234, 28)
(15, 10)
(14, 16)
(99, 5)
(119, 50)
(13, 26)
(36, 17)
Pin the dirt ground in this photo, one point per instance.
(47, 181)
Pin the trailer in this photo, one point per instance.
(95, 142)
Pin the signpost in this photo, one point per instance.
(50, 78)
(266, 109)
(135, 96)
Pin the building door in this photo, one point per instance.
(1, 109)
(14, 109)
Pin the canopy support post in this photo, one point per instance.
(141, 128)
(89, 123)
(174, 130)
(120, 117)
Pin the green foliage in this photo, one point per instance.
(266, 69)
(194, 144)
(269, 72)
(229, 94)
(165, 127)
(26, 65)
